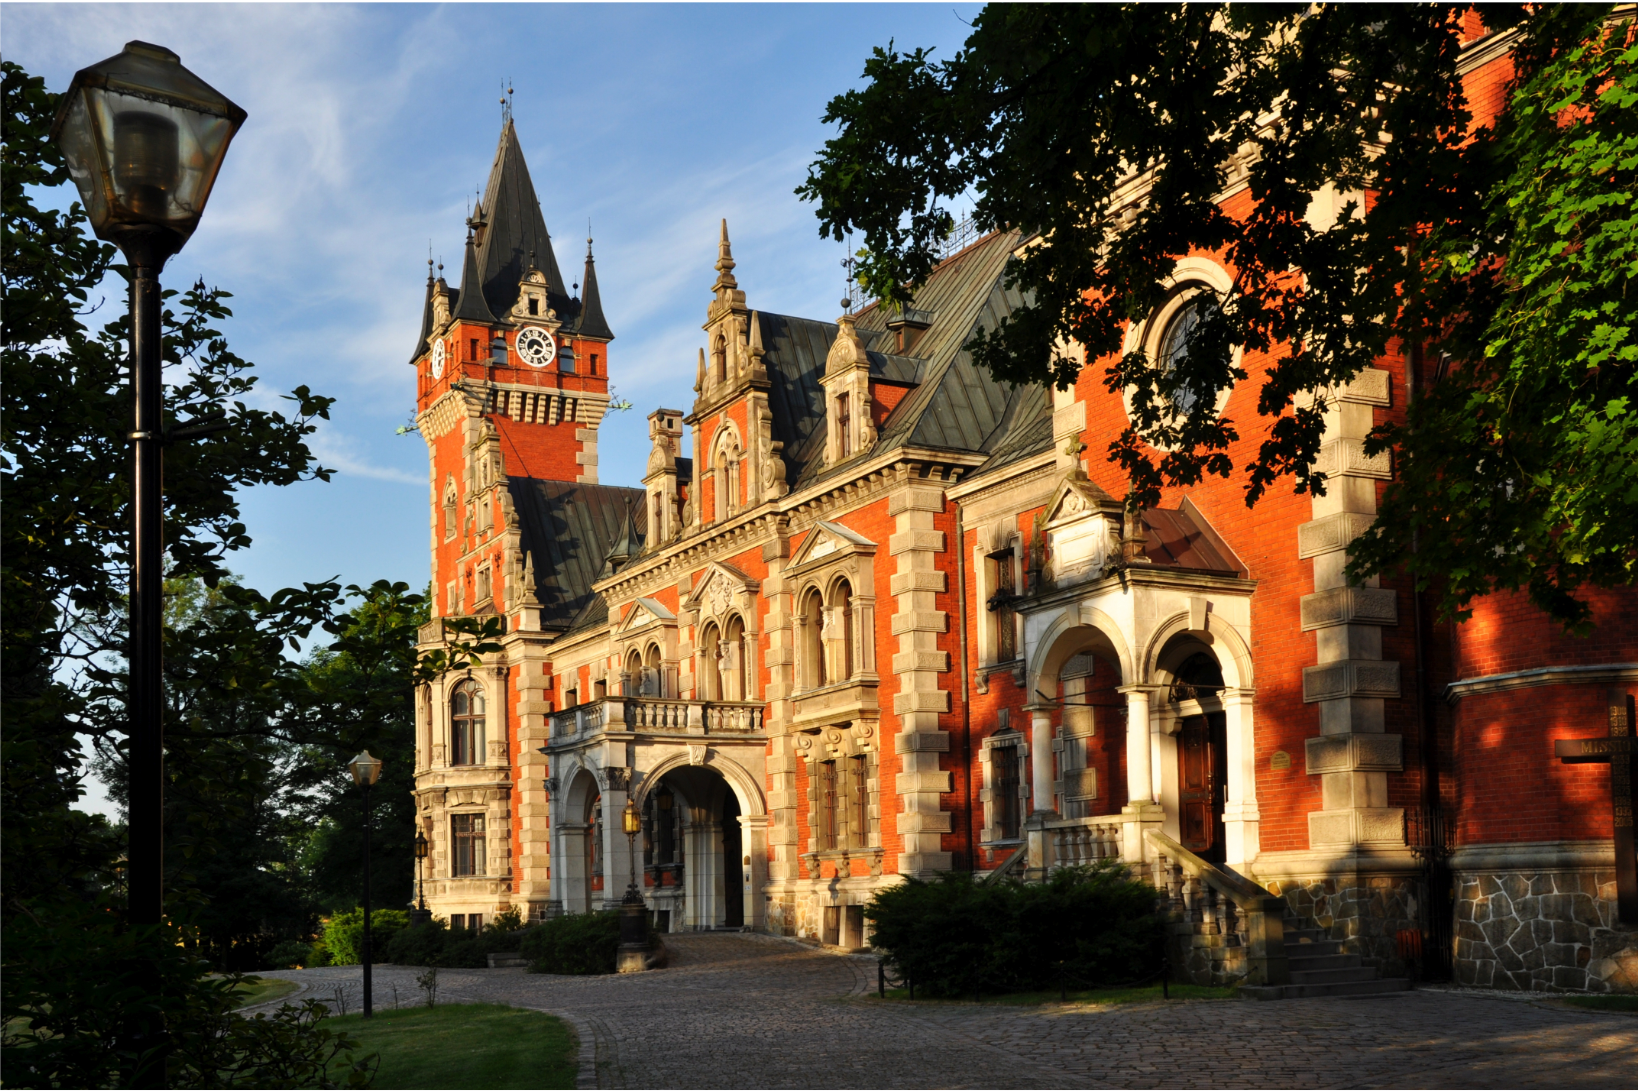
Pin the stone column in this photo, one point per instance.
(1351, 682)
(1142, 811)
(753, 842)
(1040, 758)
(1240, 815)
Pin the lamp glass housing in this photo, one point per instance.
(665, 799)
(631, 819)
(366, 768)
(144, 139)
(422, 846)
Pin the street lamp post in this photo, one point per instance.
(420, 914)
(366, 770)
(633, 926)
(144, 139)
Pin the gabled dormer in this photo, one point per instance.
(850, 427)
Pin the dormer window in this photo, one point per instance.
(844, 428)
(534, 305)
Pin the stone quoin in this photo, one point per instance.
(872, 614)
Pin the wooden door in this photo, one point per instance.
(1202, 768)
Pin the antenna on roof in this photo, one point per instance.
(851, 299)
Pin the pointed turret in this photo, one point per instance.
(426, 319)
(514, 230)
(728, 297)
(592, 323)
(470, 303)
(626, 547)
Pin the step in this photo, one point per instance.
(1328, 989)
(1323, 962)
(1356, 973)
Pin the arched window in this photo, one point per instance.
(466, 725)
(653, 673)
(710, 675)
(733, 672)
(812, 622)
(449, 508)
(841, 618)
(1174, 348)
(731, 479)
(719, 359)
(631, 679)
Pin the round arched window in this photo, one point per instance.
(1174, 348)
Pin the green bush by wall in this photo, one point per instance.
(956, 937)
(344, 934)
(436, 944)
(574, 944)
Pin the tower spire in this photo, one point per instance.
(592, 323)
(471, 305)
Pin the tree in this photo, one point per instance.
(1508, 246)
(86, 999)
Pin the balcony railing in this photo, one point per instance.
(659, 715)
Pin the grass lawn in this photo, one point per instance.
(465, 1046)
(1606, 1002)
(1127, 996)
(257, 989)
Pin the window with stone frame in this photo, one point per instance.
(825, 830)
(449, 508)
(811, 625)
(466, 832)
(452, 599)
(732, 671)
(484, 589)
(838, 630)
(1004, 778)
(844, 427)
(466, 728)
(859, 799)
(1002, 577)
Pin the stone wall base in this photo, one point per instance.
(1365, 912)
(1543, 929)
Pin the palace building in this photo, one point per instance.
(871, 614)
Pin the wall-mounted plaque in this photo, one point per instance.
(1279, 760)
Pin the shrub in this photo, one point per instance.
(344, 933)
(436, 944)
(574, 944)
(1094, 925)
(290, 953)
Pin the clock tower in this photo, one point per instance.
(511, 384)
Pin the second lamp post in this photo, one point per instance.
(366, 770)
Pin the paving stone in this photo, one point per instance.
(745, 1011)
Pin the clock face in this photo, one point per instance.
(437, 360)
(536, 347)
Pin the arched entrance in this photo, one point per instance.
(693, 851)
(1202, 753)
(1078, 740)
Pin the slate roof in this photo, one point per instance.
(954, 406)
(469, 302)
(591, 322)
(516, 233)
(568, 530)
(1181, 538)
(426, 320)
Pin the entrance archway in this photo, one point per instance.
(1078, 744)
(694, 851)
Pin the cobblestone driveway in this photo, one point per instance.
(736, 1011)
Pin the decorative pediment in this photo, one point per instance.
(848, 350)
(646, 612)
(1083, 530)
(828, 538)
(716, 590)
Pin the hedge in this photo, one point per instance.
(953, 936)
(344, 934)
(574, 944)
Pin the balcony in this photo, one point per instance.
(838, 703)
(664, 716)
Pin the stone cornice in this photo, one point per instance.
(1567, 675)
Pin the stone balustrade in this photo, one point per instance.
(1083, 841)
(665, 715)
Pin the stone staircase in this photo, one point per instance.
(1320, 968)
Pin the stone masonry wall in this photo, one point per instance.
(1364, 912)
(1546, 930)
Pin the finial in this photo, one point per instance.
(725, 253)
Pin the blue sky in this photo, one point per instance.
(370, 128)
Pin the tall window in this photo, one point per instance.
(1001, 605)
(654, 674)
(1174, 348)
(449, 509)
(719, 359)
(735, 680)
(812, 621)
(466, 725)
(467, 831)
(710, 663)
(827, 805)
(1004, 790)
(844, 428)
(860, 792)
(841, 604)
